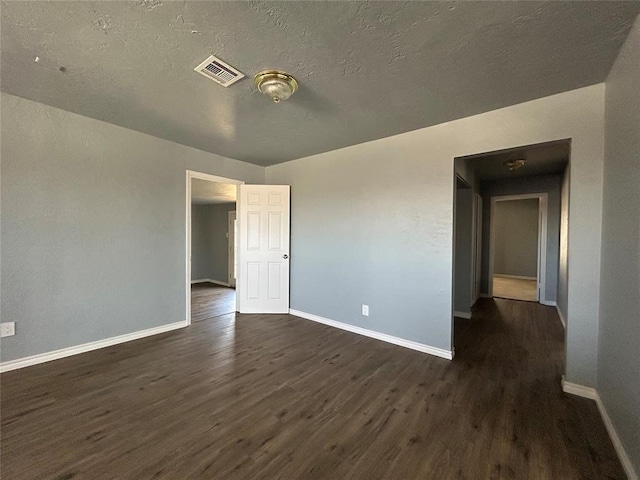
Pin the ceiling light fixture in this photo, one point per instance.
(513, 165)
(276, 85)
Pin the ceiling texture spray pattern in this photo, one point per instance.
(367, 70)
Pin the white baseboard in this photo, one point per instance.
(462, 314)
(562, 319)
(208, 280)
(548, 303)
(516, 277)
(589, 392)
(86, 347)
(439, 352)
(580, 390)
(617, 443)
(485, 295)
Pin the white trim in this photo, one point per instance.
(462, 314)
(588, 392)
(208, 280)
(580, 390)
(617, 443)
(87, 347)
(231, 247)
(516, 277)
(542, 238)
(485, 295)
(190, 174)
(548, 303)
(439, 352)
(477, 251)
(562, 319)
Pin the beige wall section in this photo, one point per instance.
(385, 209)
(93, 227)
(515, 249)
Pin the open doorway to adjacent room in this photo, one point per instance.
(518, 246)
(213, 234)
(511, 222)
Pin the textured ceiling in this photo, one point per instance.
(366, 69)
(204, 192)
(541, 159)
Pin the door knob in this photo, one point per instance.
(285, 256)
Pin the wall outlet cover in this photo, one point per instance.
(7, 329)
(365, 310)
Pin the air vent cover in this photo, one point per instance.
(215, 69)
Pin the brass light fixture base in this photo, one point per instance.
(514, 165)
(275, 84)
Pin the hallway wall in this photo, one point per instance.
(463, 250)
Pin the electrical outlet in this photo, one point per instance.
(365, 310)
(7, 329)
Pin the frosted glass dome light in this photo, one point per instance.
(276, 85)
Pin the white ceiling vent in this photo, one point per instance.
(218, 71)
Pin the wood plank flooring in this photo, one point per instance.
(515, 288)
(277, 397)
(209, 300)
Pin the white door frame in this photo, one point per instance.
(231, 248)
(542, 239)
(191, 174)
(477, 253)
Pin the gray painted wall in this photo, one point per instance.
(93, 227)
(209, 241)
(619, 339)
(90, 181)
(515, 250)
(373, 223)
(463, 250)
(549, 184)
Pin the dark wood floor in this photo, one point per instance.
(277, 397)
(209, 300)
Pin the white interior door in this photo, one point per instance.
(263, 250)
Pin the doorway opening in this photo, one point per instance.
(489, 270)
(251, 260)
(211, 246)
(518, 252)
